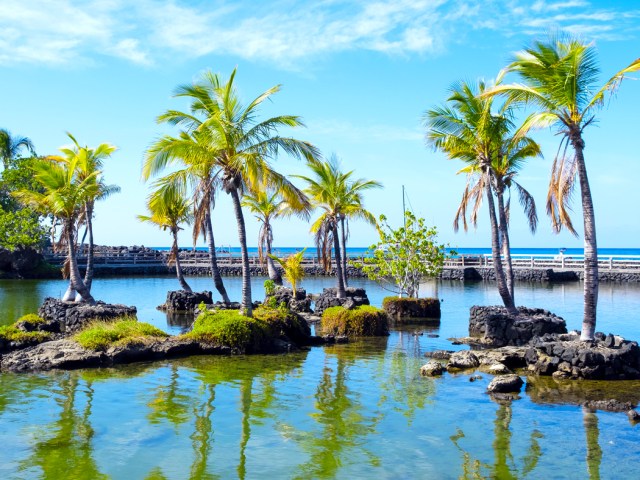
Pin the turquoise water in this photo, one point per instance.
(349, 411)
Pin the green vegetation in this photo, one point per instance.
(269, 287)
(404, 256)
(282, 322)
(293, 270)
(411, 307)
(230, 328)
(126, 331)
(32, 318)
(363, 321)
(421, 302)
(10, 333)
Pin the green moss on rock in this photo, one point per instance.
(10, 333)
(363, 321)
(229, 328)
(399, 308)
(283, 323)
(100, 335)
(32, 318)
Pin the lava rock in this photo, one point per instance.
(72, 317)
(505, 384)
(432, 368)
(462, 360)
(183, 301)
(328, 298)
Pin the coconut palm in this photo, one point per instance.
(561, 82)
(63, 195)
(239, 147)
(468, 130)
(11, 146)
(89, 163)
(292, 267)
(168, 209)
(199, 170)
(504, 168)
(339, 199)
(267, 206)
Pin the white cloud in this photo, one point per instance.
(283, 32)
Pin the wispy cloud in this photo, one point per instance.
(282, 32)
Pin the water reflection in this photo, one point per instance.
(594, 452)
(504, 465)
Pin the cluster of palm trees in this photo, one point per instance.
(560, 84)
(222, 146)
(69, 185)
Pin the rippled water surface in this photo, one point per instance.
(359, 410)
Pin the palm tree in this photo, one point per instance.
(239, 148)
(339, 199)
(267, 206)
(89, 163)
(504, 168)
(560, 76)
(168, 209)
(199, 169)
(10, 147)
(64, 196)
(466, 129)
(293, 271)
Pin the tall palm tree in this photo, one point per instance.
(267, 206)
(168, 209)
(239, 147)
(64, 196)
(468, 130)
(504, 168)
(560, 77)
(11, 146)
(89, 162)
(199, 170)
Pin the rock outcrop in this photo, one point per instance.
(412, 308)
(328, 298)
(301, 303)
(181, 301)
(505, 384)
(69, 317)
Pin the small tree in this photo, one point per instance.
(293, 271)
(404, 256)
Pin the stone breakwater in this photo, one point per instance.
(535, 275)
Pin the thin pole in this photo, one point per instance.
(404, 211)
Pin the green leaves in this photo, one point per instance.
(404, 256)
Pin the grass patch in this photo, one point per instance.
(10, 333)
(32, 318)
(282, 322)
(229, 328)
(101, 335)
(362, 321)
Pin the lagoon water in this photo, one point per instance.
(359, 410)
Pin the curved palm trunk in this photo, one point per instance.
(74, 272)
(590, 245)
(88, 274)
(274, 273)
(245, 303)
(174, 248)
(506, 244)
(344, 252)
(336, 248)
(495, 252)
(215, 271)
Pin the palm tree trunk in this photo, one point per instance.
(590, 245)
(245, 303)
(336, 248)
(506, 244)
(274, 273)
(74, 272)
(88, 274)
(344, 252)
(215, 271)
(495, 252)
(174, 248)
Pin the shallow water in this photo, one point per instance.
(347, 411)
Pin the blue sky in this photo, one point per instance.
(361, 74)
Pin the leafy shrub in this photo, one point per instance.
(32, 318)
(229, 328)
(282, 322)
(362, 321)
(269, 287)
(101, 335)
(10, 333)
